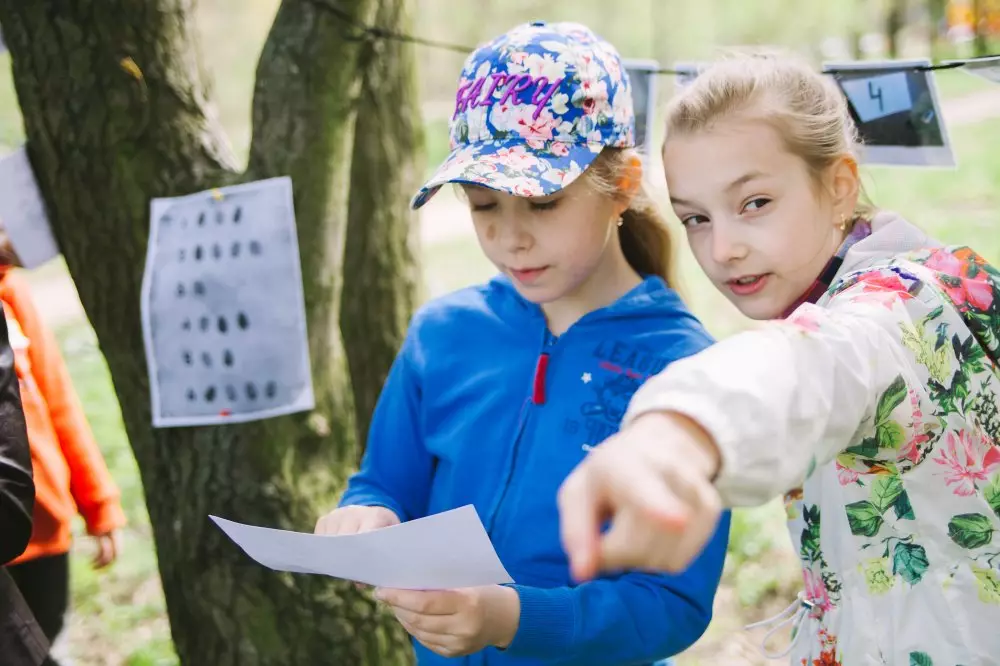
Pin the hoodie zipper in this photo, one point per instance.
(536, 399)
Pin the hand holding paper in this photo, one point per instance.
(454, 623)
(444, 551)
(355, 520)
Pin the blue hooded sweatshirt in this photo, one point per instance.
(484, 406)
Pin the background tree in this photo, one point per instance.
(980, 27)
(116, 112)
(895, 21)
(381, 273)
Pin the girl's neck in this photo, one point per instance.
(612, 279)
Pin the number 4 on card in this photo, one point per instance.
(879, 96)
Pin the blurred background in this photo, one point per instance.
(119, 617)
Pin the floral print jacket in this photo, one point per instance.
(875, 412)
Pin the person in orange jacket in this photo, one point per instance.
(70, 473)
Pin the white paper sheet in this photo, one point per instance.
(445, 551)
(223, 311)
(22, 211)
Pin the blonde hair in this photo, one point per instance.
(805, 107)
(644, 235)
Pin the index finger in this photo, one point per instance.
(581, 508)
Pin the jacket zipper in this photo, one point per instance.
(537, 399)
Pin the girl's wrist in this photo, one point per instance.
(506, 617)
(685, 436)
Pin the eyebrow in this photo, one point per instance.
(742, 180)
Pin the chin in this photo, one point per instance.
(759, 309)
(537, 295)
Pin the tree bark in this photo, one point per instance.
(381, 272)
(115, 113)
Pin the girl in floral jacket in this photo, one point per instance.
(872, 404)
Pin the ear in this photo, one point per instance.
(629, 183)
(844, 186)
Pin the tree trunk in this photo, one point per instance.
(105, 135)
(381, 273)
(936, 10)
(895, 18)
(979, 28)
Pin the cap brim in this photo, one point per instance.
(512, 167)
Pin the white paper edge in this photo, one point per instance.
(933, 156)
(305, 402)
(21, 152)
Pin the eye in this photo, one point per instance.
(544, 205)
(693, 220)
(482, 208)
(756, 204)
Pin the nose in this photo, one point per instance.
(513, 234)
(727, 247)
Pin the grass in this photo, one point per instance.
(119, 615)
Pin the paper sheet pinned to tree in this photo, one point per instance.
(223, 312)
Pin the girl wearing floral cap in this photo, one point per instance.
(501, 389)
(873, 405)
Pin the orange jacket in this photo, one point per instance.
(70, 473)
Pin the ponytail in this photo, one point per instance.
(644, 235)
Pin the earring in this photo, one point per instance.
(843, 222)
(621, 220)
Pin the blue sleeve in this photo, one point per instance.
(396, 469)
(635, 618)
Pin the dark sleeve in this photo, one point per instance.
(17, 489)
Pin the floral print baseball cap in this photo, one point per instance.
(534, 109)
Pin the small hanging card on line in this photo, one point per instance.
(223, 313)
(686, 72)
(987, 67)
(642, 75)
(22, 211)
(896, 108)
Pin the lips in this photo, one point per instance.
(747, 285)
(527, 276)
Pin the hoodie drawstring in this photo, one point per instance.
(795, 615)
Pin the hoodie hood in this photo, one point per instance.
(891, 235)
(651, 298)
